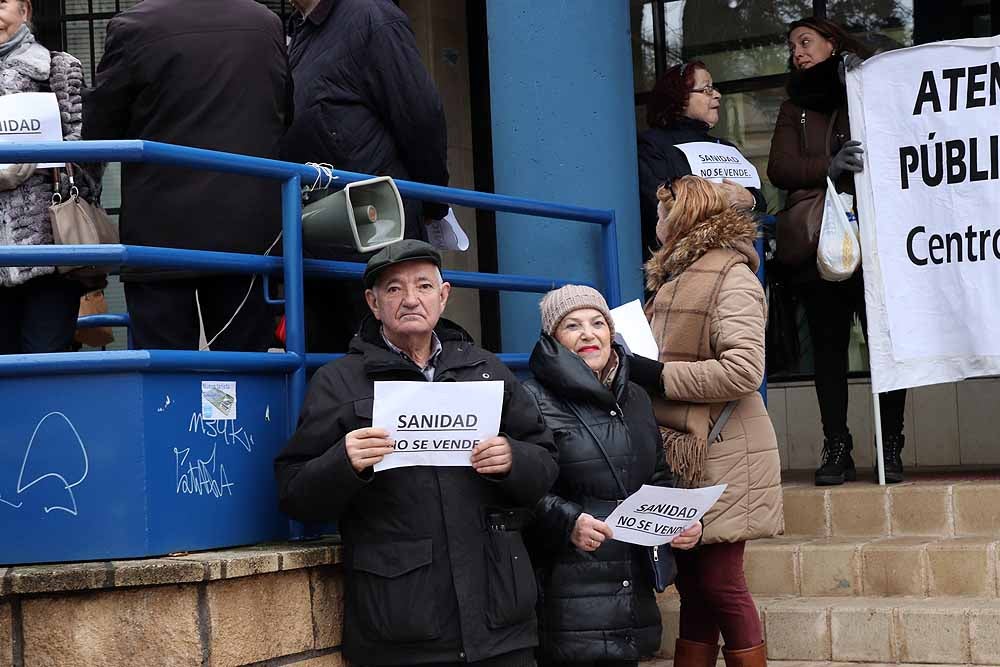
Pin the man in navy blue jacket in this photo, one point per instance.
(364, 102)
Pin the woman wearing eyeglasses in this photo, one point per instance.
(683, 109)
(812, 140)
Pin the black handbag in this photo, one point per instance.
(661, 563)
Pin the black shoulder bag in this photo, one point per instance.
(661, 564)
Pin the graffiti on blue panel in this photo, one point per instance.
(55, 462)
(204, 475)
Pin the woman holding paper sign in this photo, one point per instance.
(683, 109)
(597, 602)
(812, 141)
(708, 317)
(38, 307)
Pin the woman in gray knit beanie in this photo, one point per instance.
(599, 592)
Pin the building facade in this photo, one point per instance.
(545, 101)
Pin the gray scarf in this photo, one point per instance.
(22, 36)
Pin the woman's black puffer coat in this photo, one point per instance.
(598, 605)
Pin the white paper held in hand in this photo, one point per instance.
(630, 322)
(436, 423)
(28, 118)
(447, 234)
(655, 515)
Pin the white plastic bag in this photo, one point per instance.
(838, 255)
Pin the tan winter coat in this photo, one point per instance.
(746, 457)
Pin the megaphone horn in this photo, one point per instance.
(365, 216)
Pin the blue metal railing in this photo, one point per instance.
(294, 361)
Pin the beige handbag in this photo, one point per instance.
(78, 222)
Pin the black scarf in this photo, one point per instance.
(818, 88)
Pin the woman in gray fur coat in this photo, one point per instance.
(38, 307)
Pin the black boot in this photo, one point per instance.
(838, 466)
(892, 447)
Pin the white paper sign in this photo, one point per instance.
(30, 118)
(655, 515)
(717, 161)
(447, 234)
(631, 323)
(436, 423)
(218, 400)
(927, 202)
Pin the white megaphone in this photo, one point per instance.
(364, 216)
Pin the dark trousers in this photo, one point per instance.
(830, 309)
(39, 315)
(333, 313)
(714, 597)
(164, 314)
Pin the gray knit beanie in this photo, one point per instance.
(559, 303)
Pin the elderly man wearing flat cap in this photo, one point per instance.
(435, 568)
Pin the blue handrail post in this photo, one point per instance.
(609, 236)
(295, 331)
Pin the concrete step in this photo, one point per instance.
(923, 508)
(874, 567)
(660, 662)
(872, 630)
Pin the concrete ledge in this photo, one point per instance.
(268, 604)
(172, 569)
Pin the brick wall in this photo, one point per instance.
(261, 605)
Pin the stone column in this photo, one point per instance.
(563, 120)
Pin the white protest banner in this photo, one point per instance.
(927, 203)
(716, 162)
(655, 515)
(30, 118)
(436, 423)
(631, 323)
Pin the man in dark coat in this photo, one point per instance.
(364, 102)
(434, 564)
(209, 75)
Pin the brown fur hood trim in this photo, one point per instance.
(729, 229)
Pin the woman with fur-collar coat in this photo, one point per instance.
(708, 317)
(38, 306)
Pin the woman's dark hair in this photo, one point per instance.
(832, 31)
(670, 94)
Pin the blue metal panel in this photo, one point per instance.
(211, 483)
(70, 488)
(121, 465)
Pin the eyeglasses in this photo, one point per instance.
(706, 90)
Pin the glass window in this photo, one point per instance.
(743, 43)
(643, 45)
(737, 39)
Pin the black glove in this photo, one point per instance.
(848, 158)
(647, 373)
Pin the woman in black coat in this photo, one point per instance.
(683, 108)
(597, 604)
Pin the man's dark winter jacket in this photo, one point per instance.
(426, 579)
(204, 73)
(598, 605)
(660, 160)
(364, 101)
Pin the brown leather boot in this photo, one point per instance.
(695, 654)
(747, 657)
